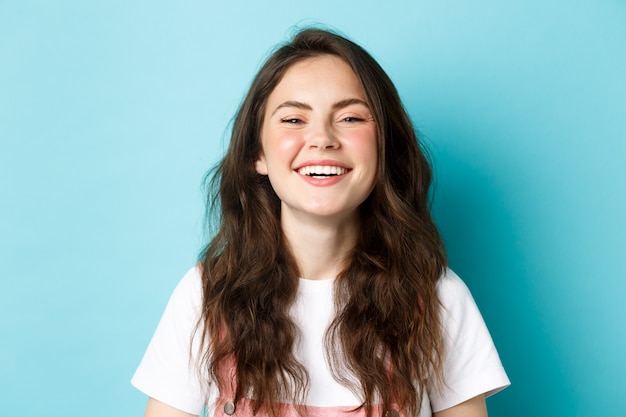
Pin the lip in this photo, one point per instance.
(323, 162)
(323, 182)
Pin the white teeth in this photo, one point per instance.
(315, 170)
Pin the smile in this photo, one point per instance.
(322, 171)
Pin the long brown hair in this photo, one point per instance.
(386, 339)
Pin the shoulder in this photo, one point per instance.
(168, 370)
(185, 302)
(451, 289)
(191, 282)
(189, 287)
(471, 365)
(463, 324)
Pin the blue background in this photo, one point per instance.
(111, 112)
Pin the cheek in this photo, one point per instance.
(364, 145)
(281, 147)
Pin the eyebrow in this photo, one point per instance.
(348, 102)
(304, 106)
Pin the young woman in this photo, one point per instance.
(325, 290)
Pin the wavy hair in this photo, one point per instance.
(385, 341)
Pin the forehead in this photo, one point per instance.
(318, 76)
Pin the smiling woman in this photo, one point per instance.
(325, 291)
(319, 142)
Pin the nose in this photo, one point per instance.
(322, 136)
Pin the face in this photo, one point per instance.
(319, 140)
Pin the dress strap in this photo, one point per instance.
(225, 405)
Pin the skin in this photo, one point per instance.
(158, 409)
(474, 407)
(318, 115)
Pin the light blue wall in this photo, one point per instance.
(110, 113)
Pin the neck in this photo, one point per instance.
(319, 245)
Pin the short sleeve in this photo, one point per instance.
(167, 371)
(471, 365)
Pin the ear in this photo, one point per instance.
(261, 165)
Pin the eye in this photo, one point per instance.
(291, 120)
(352, 119)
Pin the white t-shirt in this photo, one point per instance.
(471, 364)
